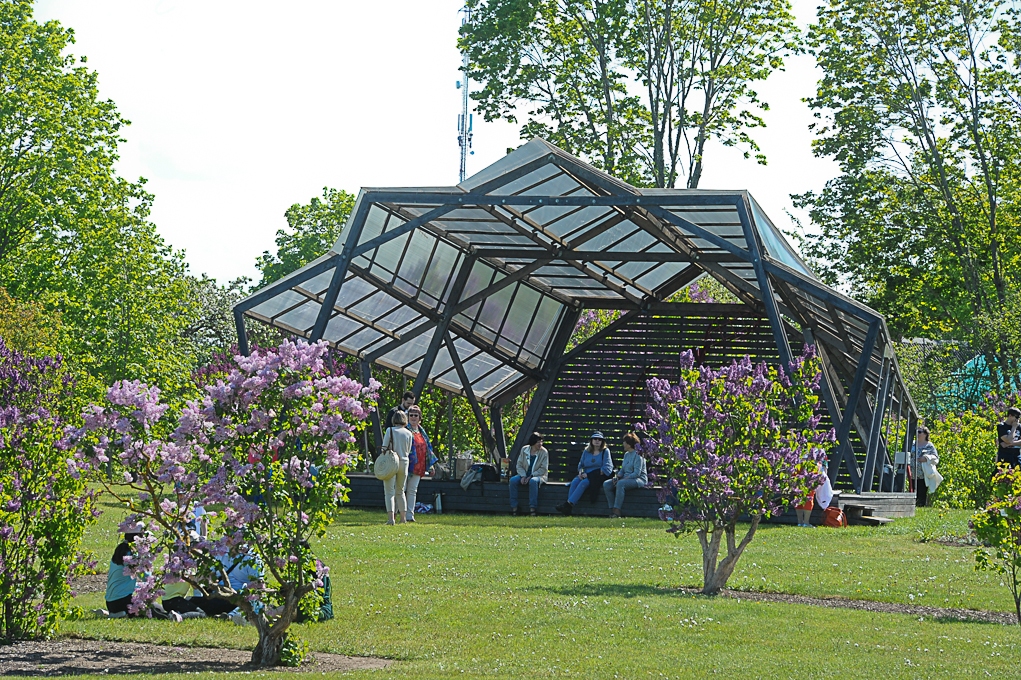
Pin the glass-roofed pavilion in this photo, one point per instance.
(476, 289)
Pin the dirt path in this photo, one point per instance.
(73, 657)
(935, 613)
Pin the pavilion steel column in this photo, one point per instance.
(239, 325)
(765, 288)
(876, 428)
(554, 357)
(496, 418)
(487, 437)
(844, 431)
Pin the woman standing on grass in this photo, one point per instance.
(420, 454)
(632, 475)
(401, 440)
(595, 466)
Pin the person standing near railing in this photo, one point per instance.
(1008, 436)
(927, 459)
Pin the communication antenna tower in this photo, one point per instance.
(464, 121)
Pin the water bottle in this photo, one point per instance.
(439, 504)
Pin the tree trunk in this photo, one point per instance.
(267, 652)
(716, 575)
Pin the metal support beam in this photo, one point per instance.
(496, 418)
(554, 359)
(845, 452)
(239, 325)
(330, 299)
(765, 288)
(876, 428)
(286, 283)
(441, 327)
(480, 418)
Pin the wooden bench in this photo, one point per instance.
(494, 497)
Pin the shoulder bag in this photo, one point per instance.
(385, 465)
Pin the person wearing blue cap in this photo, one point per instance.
(594, 468)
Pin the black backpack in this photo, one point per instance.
(489, 472)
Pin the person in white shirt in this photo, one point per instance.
(401, 439)
(532, 468)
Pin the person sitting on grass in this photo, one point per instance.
(595, 466)
(240, 572)
(631, 475)
(532, 468)
(120, 586)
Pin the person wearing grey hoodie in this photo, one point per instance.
(631, 475)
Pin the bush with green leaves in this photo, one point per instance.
(43, 508)
(998, 526)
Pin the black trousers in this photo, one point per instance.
(121, 605)
(181, 605)
(214, 606)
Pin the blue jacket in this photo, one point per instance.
(591, 462)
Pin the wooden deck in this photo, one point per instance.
(492, 497)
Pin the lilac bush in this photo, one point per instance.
(998, 526)
(44, 510)
(264, 451)
(741, 441)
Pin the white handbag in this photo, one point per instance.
(385, 465)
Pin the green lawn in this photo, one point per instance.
(473, 595)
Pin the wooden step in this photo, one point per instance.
(870, 520)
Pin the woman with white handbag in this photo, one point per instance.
(396, 442)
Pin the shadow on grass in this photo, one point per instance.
(625, 590)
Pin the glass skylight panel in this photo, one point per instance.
(547, 314)
(492, 382)
(302, 317)
(521, 314)
(317, 285)
(340, 327)
(536, 176)
(555, 186)
(375, 306)
(277, 304)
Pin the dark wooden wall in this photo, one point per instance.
(602, 387)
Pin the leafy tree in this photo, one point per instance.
(998, 526)
(44, 510)
(311, 231)
(211, 330)
(270, 441)
(919, 104)
(27, 327)
(738, 441)
(74, 236)
(58, 140)
(637, 87)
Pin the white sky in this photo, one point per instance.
(240, 109)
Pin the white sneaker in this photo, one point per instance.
(101, 613)
(175, 617)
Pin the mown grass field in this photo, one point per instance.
(490, 596)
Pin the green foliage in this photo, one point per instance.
(311, 231)
(918, 105)
(294, 651)
(999, 527)
(74, 236)
(966, 444)
(44, 509)
(637, 87)
(27, 327)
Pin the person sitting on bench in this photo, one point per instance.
(631, 475)
(532, 467)
(595, 466)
